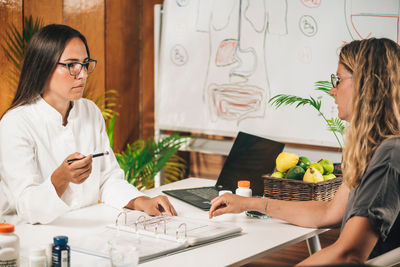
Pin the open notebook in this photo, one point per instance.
(153, 236)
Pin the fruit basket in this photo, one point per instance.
(289, 189)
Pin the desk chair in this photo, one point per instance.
(388, 259)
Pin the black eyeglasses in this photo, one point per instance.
(335, 80)
(74, 68)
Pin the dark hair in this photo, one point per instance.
(41, 57)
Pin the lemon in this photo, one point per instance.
(285, 161)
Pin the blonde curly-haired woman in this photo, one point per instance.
(366, 88)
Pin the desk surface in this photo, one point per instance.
(259, 237)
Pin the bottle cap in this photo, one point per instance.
(220, 193)
(60, 240)
(37, 252)
(243, 183)
(6, 228)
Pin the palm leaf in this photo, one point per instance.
(110, 130)
(14, 43)
(107, 102)
(324, 86)
(336, 125)
(143, 159)
(282, 100)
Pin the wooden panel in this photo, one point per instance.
(10, 13)
(50, 10)
(123, 65)
(147, 65)
(205, 165)
(87, 16)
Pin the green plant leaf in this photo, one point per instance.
(14, 43)
(110, 130)
(336, 125)
(324, 86)
(282, 100)
(143, 159)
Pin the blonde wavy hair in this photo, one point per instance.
(375, 65)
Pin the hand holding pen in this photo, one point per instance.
(76, 168)
(69, 161)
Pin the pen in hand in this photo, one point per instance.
(69, 161)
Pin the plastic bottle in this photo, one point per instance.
(37, 257)
(60, 253)
(9, 246)
(244, 189)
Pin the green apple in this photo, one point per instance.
(278, 175)
(318, 167)
(327, 165)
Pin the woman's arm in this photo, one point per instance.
(303, 213)
(354, 245)
(314, 214)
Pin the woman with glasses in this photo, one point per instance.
(366, 88)
(48, 125)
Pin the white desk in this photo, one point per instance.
(259, 237)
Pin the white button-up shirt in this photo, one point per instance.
(34, 143)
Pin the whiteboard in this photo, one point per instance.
(221, 61)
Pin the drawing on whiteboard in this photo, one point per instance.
(308, 25)
(236, 85)
(305, 55)
(182, 3)
(370, 18)
(311, 3)
(178, 54)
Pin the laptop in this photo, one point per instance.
(250, 157)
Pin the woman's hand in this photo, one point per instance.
(76, 172)
(228, 203)
(152, 206)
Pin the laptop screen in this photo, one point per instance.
(250, 157)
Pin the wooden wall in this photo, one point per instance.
(120, 37)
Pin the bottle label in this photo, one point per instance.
(8, 263)
(64, 258)
(60, 258)
(8, 257)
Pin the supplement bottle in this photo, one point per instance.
(37, 257)
(9, 246)
(60, 253)
(244, 189)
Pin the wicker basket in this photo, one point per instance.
(288, 189)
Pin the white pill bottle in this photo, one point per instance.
(244, 189)
(9, 246)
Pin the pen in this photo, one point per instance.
(69, 161)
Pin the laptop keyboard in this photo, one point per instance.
(207, 193)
